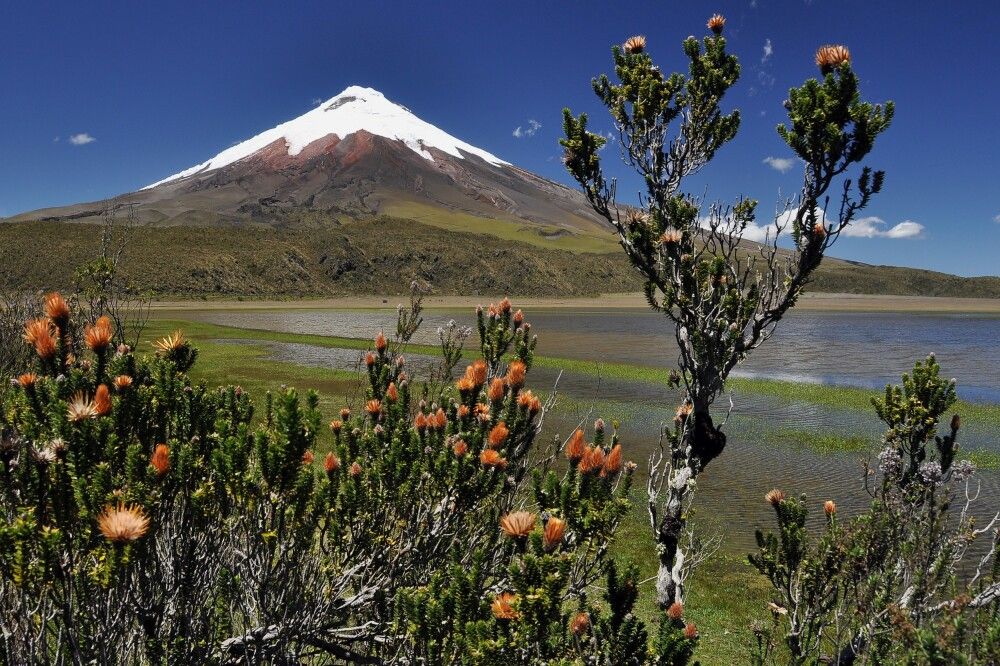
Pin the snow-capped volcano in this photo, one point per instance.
(355, 109)
(355, 156)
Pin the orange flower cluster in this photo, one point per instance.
(576, 448)
(518, 525)
(775, 497)
(460, 448)
(832, 56)
(27, 380)
(527, 400)
(555, 528)
(171, 343)
(123, 524)
(331, 463)
(580, 624)
(716, 23)
(635, 44)
(99, 336)
(102, 400)
(516, 374)
(308, 458)
(373, 407)
(123, 382)
(496, 390)
(503, 607)
(498, 435)
(41, 334)
(490, 458)
(502, 308)
(474, 377)
(392, 393)
(56, 309)
(380, 343)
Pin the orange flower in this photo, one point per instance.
(369, 359)
(81, 408)
(775, 497)
(716, 23)
(819, 231)
(490, 458)
(477, 372)
(27, 380)
(503, 607)
(465, 384)
(690, 631)
(683, 411)
(613, 462)
(373, 407)
(576, 448)
(535, 406)
(593, 460)
(832, 56)
(355, 469)
(39, 333)
(635, 44)
(56, 309)
(518, 525)
(102, 400)
(829, 507)
(496, 389)
(345, 413)
(160, 460)
(460, 448)
(675, 611)
(380, 343)
(463, 411)
(308, 457)
(554, 530)
(336, 425)
(518, 318)
(440, 419)
(504, 305)
(331, 463)
(516, 373)
(99, 336)
(580, 624)
(123, 382)
(420, 421)
(123, 524)
(498, 435)
(392, 392)
(671, 237)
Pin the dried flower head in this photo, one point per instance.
(635, 44)
(580, 624)
(56, 309)
(171, 343)
(518, 525)
(498, 435)
(102, 400)
(555, 528)
(675, 611)
(123, 524)
(496, 389)
(123, 382)
(829, 507)
(503, 607)
(160, 460)
(716, 23)
(831, 57)
(98, 337)
(81, 407)
(671, 237)
(576, 448)
(690, 631)
(490, 458)
(775, 497)
(516, 373)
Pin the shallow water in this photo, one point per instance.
(866, 350)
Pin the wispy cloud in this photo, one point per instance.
(316, 101)
(996, 218)
(531, 129)
(873, 227)
(81, 139)
(768, 50)
(782, 164)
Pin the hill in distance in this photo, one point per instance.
(359, 195)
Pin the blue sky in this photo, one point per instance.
(103, 98)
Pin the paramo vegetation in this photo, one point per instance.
(148, 519)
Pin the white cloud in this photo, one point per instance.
(316, 101)
(782, 164)
(872, 227)
(996, 218)
(81, 139)
(768, 50)
(530, 130)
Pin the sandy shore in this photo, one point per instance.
(818, 302)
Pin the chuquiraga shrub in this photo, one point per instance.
(894, 584)
(150, 519)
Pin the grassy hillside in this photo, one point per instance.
(381, 256)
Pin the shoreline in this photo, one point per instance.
(815, 302)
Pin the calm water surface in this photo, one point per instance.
(865, 350)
